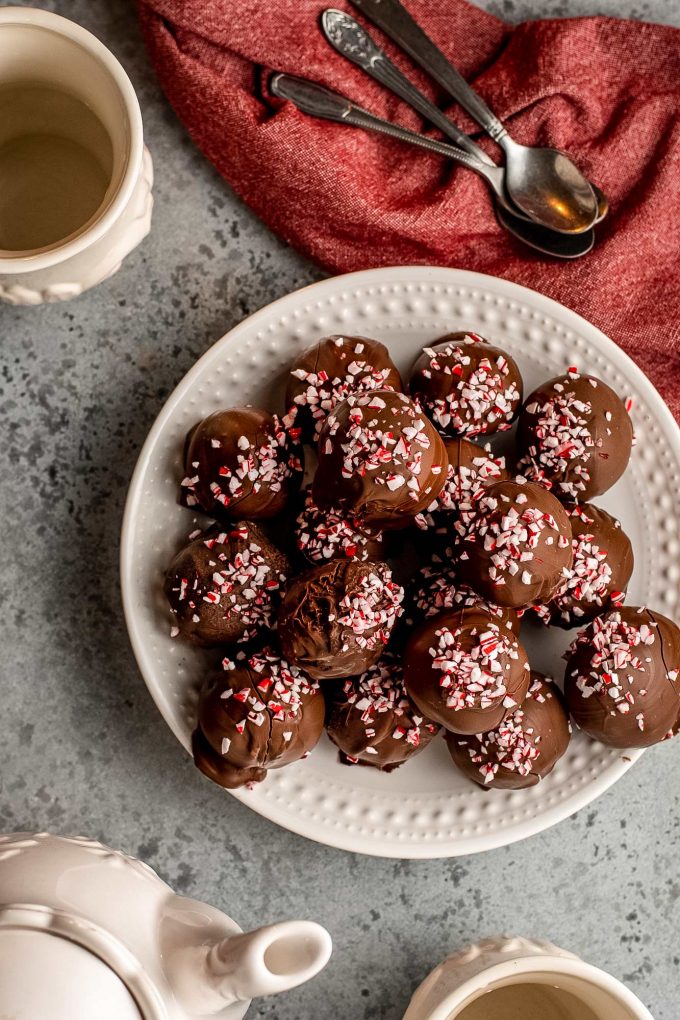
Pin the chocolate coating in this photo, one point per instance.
(327, 373)
(336, 619)
(524, 748)
(516, 545)
(471, 468)
(225, 585)
(260, 713)
(574, 436)
(374, 722)
(323, 535)
(467, 386)
(241, 464)
(380, 459)
(600, 571)
(438, 588)
(465, 671)
(622, 681)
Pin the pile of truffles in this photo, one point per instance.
(312, 601)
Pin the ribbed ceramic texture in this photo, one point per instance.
(425, 809)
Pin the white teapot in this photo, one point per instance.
(87, 933)
(521, 979)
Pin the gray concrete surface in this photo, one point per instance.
(85, 750)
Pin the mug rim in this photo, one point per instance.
(56, 253)
(540, 964)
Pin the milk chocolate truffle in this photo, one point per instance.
(516, 546)
(241, 464)
(465, 671)
(471, 468)
(226, 585)
(574, 436)
(323, 535)
(327, 373)
(374, 722)
(259, 713)
(467, 386)
(438, 588)
(336, 619)
(380, 459)
(600, 571)
(622, 679)
(524, 748)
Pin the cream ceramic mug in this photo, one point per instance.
(75, 176)
(519, 979)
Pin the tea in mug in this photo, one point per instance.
(56, 163)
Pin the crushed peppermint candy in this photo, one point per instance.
(562, 442)
(322, 392)
(473, 674)
(383, 435)
(224, 475)
(240, 580)
(371, 608)
(483, 392)
(463, 487)
(617, 660)
(440, 590)
(276, 690)
(379, 691)
(323, 535)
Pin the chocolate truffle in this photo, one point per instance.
(622, 681)
(465, 671)
(241, 464)
(574, 436)
(600, 572)
(467, 386)
(259, 713)
(438, 588)
(336, 619)
(380, 459)
(524, 748)
(516, 546)
(323, 535)
(374, 722)
(471, 467)
(327, 373)
(226, 585)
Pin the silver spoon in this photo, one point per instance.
(543, 182)
(314, 99)
(352, 41)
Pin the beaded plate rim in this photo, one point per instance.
(361, 819)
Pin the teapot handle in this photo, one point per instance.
(266, 961)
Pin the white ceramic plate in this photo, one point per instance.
(425, 809)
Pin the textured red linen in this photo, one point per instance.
(605, 90)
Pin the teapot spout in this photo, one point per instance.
(262, 962)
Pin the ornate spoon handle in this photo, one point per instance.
(393, 18)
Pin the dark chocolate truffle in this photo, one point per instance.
(465, 671)
(524, 748)
(327, 373)
(374, 722)
(225, 585)
(438, 588)
(380, 460)
(467, 386)
(323, 535)
(622, 681)
(471, 468)
(260, 713)
(600, 572)
(574, 436)
(516, 545)
(241, 464)
(336, 619)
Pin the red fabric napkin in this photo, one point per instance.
(605, 90)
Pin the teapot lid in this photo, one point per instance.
(46, 975)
